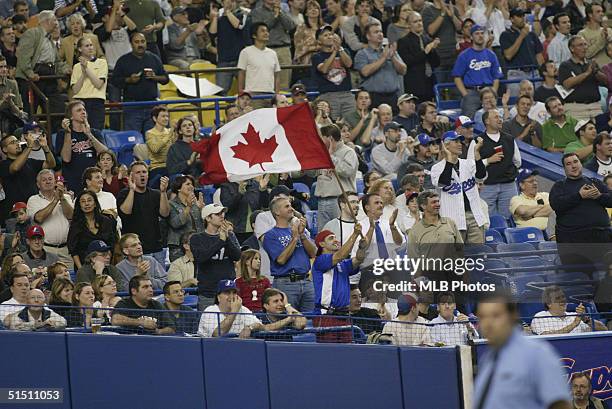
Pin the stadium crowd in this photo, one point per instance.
(429, 184)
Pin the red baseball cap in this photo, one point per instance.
(320, 238)
(35, 231)
(19, 206)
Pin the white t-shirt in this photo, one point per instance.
(544, 321)
(56, 225)
(409, 333)
(210, 321)
(449, 333)
(260, 67)
(8, 307)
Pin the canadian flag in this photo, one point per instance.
(267, 140)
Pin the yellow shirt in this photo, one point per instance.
(100, 68)
(158, 144)
(522, 200)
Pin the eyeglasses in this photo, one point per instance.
(109, 283)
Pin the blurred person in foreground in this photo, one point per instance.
(513, 360)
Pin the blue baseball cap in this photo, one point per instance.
(30, 126)
(475, 28)
(525, 173)
(98, 246)
(226, 285)
(405, 303)
(451, 136)
(423, 139)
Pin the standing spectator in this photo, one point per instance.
(601, 163)
(441, 22)
(296, 10)
(457, 178)
(407, 116)
(140, 208)
(466, 36)
(138, 74)
(148, 17)
(184, 319)
(305, 38)
(52, 209)
(421, 158)
(230, 32)
(136, 263)
(112, 173)
(503, 159)
(280, 25)
(290, 250)
(241, 199)
(181, 158)
(476, 68)
(530, 208)
(603, 122)
(182, 269)
(97, 263)
(8, 49)
(582, 77)
(158, 140)
(37, 56)
(140, 310)
(464, 126)
(330, 68)
(251, 284)
(385, 116)
(494, 19)
(449, 329)
(583, 147)
(431, 124)
(582, 390)
(420, 54)
(537, 111)
(35, 316)
(259, 65)
(9, 7)
(596, 34)
(328, 189)
(354, 27)
(89, 224)
(69, 48)
(185, 214)
(214, 250)
(401, 24)
(78, 144)
(558, 50)
(36, 256)
(362, 120)
(380, 65)
(64, 9)
(580, 205)
(558, 131)
(488, 99)
(183, 48)
(549, 72)
(388, 156)
(522, 49)
(342, 226)
(522, 127)
(409, 328)
(577, 12)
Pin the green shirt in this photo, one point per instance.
(574, 146)
(553, 136)
(353, 119)
(143, 13)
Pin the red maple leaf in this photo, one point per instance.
(255, 151)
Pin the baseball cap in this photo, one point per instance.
(321, 237)
(475, 28)
(581, 124)
(405, 303)
(245, 93)
(30, 126)
(423, 139)
(392, 125)
(19, 206)
(226, 285)
(463, 121)
(451, 136)
(525, 173)
(298, 89)
(407, 97)
(324, 28)
(178, 10)
(98, 246)
(35, 231)
(516, 11)
(410, 195)
(212, 208)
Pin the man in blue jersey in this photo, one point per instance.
(476, 67)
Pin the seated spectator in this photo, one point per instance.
(83, 298)
(603, 122)
(34, 317)
(19, 225)
(182, 269)
(464, 126)
(105, 290)
(136, 263)
(185, 214)
(19, 289)
(384, 189)
(97, 262)
(11, 105)
(601, 162)
(159, 139)
(530, 208)
(181, 158)
(52, 209)
(8, 48)
(353, 28)
(243, 102)
(305, 38)
(184, 319)
(228, 315)
(114, 178)
(422, 157)
(55, 271)
(558, 131)
(556, 320)
(60, 299)
(323, 113)
(365, 318)
(538, 111)
(36, 256)
(140, 311)
(94, 182)
(89, 224)
(448, 328)
(488, 100)
(521, 126)
(279, 314)
(241, 198)
(583, 147)
(409, 328)
(362, 120)
(431, 123)
(388, 156)
(251, 284)
(548, 88)
(582, 387)
(183, 47)
(407, 116)
(69, 49)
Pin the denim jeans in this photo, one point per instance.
(470, 103)
(327, 209)
(300, 294)
(137, 119)
(114, 95)
(224, 79)
(498, 197)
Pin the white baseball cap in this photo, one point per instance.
(212, 209)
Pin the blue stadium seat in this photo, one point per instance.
(209, 191)
(492, 236)
(360, 186)
(301, 187)
(523, 234)
(529, 261)
(492, 263)
(498, 222)
(547, 245)
(311, 219)
(395, 184)
(511, 247)
(477, 249)
(314, 201)
(115, 140)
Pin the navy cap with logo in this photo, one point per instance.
(98, 246)
(226, 285)
(517, 11)
(525, 173)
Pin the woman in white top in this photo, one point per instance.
(105, 289)
(88, 81)
(94, 182)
